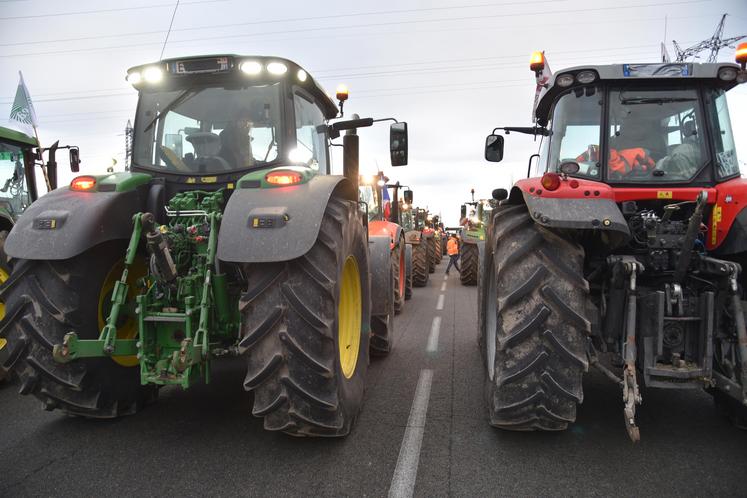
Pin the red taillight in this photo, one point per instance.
(283, 178)
(551, 181)
(83, 183)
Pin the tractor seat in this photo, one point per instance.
(205, 143)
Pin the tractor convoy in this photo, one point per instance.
(229, 236)
(623, 250)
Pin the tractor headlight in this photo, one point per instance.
(277, 68)
(250, 67)
(586, 77)
(727, 74)
(153, 74)
(564, 80)
(301, 75)
(134, 78)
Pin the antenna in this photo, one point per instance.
(714, 44)
(169, 31)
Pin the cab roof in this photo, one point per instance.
(17, 136)
(662, 73)
(204, 66)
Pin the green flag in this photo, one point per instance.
(22, 109)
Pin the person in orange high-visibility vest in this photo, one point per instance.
(452, 249)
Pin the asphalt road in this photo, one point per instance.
(423, 430)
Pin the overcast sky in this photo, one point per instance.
(453, 69)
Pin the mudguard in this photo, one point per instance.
(387, 228)
(598, 215)
(65, 223)
(381, 281)
(413, 237)
(263, 225)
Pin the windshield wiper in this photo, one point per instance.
(177, 100)
(655, 100)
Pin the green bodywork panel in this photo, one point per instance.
(250, 179)
(123, 181)
(184, 309)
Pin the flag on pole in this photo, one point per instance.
(387, 203)
(22, 109)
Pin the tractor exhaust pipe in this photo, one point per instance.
(350, 161)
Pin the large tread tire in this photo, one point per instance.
(536, 291)
(4, 275)
(420, 264)
(444, 240)
(432, 253)
(45, 300)
(400, 275)
(408, 274)
(290, 332)
(470, 258)
(382, 326)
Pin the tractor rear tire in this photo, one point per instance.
(730, 408)
(400, 275)
(305, 330)
(4, 275)
(420, 264)
(470, 258)
(382, 325)
(433, 253)
(534, 332)
(44, 301)
(408, 272)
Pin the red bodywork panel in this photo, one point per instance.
(379, 228)
(727, 198)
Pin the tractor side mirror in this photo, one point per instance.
(398, 144)
(494, 148)
(408, 196)
(500, 194)
(74, 159)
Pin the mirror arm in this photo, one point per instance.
(527, 130)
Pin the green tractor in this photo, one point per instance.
(228, 237)
(420, 237)
(473, 239)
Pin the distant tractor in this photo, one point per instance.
(473, 239)
(624, 249)
(228, 237)
(419, 236)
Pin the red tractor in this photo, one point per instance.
(623, 249)
(383, 216)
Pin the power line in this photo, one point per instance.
(369, 25)
(290, 19)
(106, 11)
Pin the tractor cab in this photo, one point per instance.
(637, 125)
(17, 185)
(211, 120)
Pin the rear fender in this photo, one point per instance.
(381, 283)
(413, 237)
(385, 228)
(263, 225)
(66, 223)
(727, 232)
(598, 215)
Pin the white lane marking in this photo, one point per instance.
(440, 304)
(406, 471)
(432, 346)
(443, 286)
(446, 277)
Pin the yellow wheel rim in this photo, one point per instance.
(128, 322)
(3, 278)
(349, 317)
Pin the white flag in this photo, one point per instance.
(22, 109)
